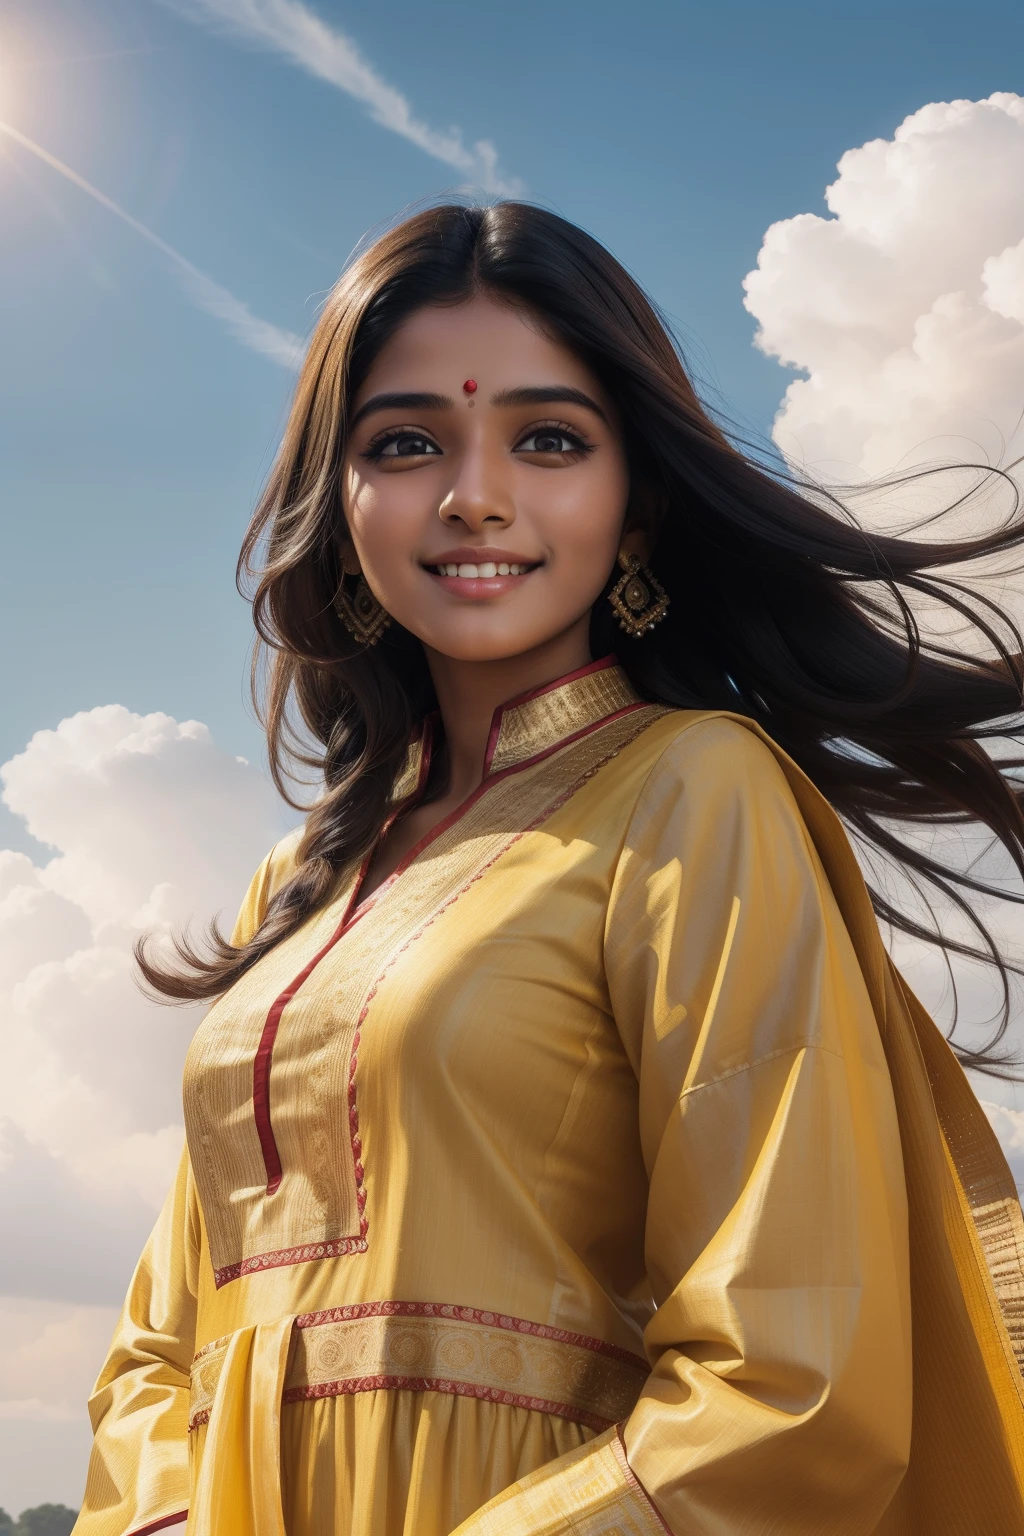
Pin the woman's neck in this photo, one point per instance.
(468, 693)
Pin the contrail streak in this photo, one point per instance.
(291, 29)
(281, 346)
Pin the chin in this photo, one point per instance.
(481, 652)
(481, 645)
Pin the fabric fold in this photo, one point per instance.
(238, 1490)
(590, 1492)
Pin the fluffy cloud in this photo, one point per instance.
(146, 823)
(149, 824)
(53, 1348)
(48, 1359)
(905, 308)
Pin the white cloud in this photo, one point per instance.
(150, 824)
(147, 822)
(134, 804)
(281, 346)
(304, 38)
(48, 1357)
(905, 308)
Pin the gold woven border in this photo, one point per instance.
(1001, 1234)
(555, 715)
(427, 1347)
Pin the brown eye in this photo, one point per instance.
(552, 440)
(402, 445)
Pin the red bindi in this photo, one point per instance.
(470, 387)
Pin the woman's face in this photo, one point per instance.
(486, 522)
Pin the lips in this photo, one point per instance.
(480, 575)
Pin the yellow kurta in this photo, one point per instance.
(595, 1174)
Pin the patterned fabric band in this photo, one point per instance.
(429, 1347)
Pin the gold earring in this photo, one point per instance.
(362, 615)
(638, 598)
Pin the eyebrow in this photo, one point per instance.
(550, 394)
(418, 400)
(401, 400)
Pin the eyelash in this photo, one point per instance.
(374, 450)
(562, 429)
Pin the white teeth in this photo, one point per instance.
(486, 569)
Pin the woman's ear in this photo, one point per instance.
(349, 559)
(636, 541)
(644, 516)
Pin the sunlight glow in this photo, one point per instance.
(281, 346)
(10, 71)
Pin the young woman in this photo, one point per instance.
(564, 1153)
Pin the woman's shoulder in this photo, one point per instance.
(710, 782)
(714, 769)
(283, 859)
(275, 871)
(686, 748)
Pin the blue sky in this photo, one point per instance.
(134, 431)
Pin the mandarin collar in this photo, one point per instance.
(545, 718)
(536, 723)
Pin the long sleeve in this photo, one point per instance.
(779, 1398)
(138, 1475)
(138, 1478)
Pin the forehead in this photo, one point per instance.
(439, 346)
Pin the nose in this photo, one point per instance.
(480, 494)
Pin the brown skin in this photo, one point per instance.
(464, 478)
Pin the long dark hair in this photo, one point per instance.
(784, 608)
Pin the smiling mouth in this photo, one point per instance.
(484, 570)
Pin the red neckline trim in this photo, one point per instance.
(360, 910)
(601, 665)
(268, 1037)
(356, 909)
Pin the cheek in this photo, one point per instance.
(379, 511)
(360, 496)
(353, 491)
(585, 511)
(613, 488)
